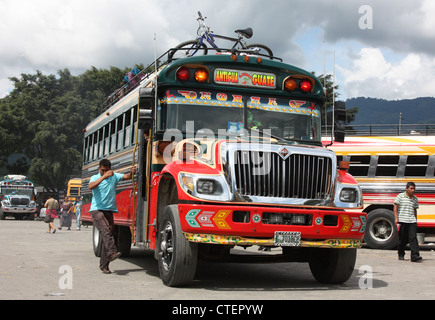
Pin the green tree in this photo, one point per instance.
(43, 118)
(333, 91)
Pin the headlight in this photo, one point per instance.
(205, 186)
(208, 187)
(348, 195)
(32, 204)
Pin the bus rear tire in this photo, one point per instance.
(177, 257)
(332, 266)
(381, 232)
(123, 240)
(96, 241)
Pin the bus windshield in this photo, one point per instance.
(227, 113)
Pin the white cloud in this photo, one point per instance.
(371, 75)
(49, 35)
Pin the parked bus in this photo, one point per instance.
(73, 189)
(383, 165)
(229, 153)
(17, 197)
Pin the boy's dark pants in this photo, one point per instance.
(103, 221)
(408, 234)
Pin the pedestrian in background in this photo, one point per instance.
(78, 206)
(103, 205)
(405, 215)
(51, 206)
(66, 214)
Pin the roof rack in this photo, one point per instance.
(146, 74)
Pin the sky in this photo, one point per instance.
(375, 48)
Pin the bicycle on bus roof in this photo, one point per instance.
(191, 47)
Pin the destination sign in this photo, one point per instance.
(244, 78)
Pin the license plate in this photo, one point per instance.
(287, 239)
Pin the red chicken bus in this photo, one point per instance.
(229, 154)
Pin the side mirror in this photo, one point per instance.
(146, 98)
(146, 108)
(145, 119)
(339, 121)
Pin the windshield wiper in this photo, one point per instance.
(273, 136)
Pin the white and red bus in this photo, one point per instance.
(383, 165)
(17, 197)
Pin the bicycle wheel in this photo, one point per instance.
(260, 48)
(187, 49)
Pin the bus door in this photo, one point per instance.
(143, 149)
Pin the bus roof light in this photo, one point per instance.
(183, 74)
(344, 165)
(290, 84)
(306, 86)
(201, 75)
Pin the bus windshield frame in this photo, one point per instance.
(228, 113)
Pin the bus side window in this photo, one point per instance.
(106, 139)
(92, 144)
(85, 150)
(431, 167)
(127, 131)
(113, 136)
(416, 166)
(100, 143)
(120, 132)
(387, 166)
(359, 166)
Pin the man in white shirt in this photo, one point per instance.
(405, 215)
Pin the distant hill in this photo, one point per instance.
(379, 111)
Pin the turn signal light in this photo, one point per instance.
(183, 74)
(201, 75)
(306, 86)
(290, 84)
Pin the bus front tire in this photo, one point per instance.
(332, 266)
(177, 257)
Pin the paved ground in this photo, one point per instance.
(38, 265)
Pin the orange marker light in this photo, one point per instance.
(201, 75)
(290, 84)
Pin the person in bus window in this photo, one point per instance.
(103, 205)
(405, 215)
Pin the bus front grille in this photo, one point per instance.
(267, 174)
(20, 201)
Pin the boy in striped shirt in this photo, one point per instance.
(405, 215)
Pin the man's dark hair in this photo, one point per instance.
(105, 163)
(410, 184)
